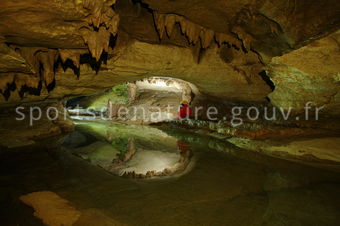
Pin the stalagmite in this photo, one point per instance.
(97, 41)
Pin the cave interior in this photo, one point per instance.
(169, 112)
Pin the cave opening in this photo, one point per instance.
(138, 101)
(104, 137)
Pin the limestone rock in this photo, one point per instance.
(56, 211)
(308, 74)
(232, 81)
(274, 26)
(193, 32)
(317, 149)
(231, 41)
(11, 61)
(98, 41)
(51, 208)
(23, 126)
(71, 54)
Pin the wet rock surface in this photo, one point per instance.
(24, 129)
(53, 210)
(270, 190)
(310, 73)
(310, 145)
(318, 149)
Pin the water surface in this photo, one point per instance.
(222, 185)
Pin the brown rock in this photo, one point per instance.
(51, 208)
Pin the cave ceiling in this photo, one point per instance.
(54, 49)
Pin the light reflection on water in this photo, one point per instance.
(233, 187)
(130, 150)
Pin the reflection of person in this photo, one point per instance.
(184, 150)
(185, 110)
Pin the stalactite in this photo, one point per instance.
(193, 32)
(41, 62)
(47, 59)
(97, 41)
(102, 23)
(206, 37)
(225, 38)
(18, 82)
(72, 54)
(95, 8)
(26, 80)
(244, 36)
(5, 81)
(112, 22)
(99, 11)
(160, 23)
(197, 52)
(28, 53)
(170, 22)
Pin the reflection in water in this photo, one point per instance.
(226, 186)
(130, 151)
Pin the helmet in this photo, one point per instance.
(184, 102)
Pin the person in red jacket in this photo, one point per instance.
(185, 110)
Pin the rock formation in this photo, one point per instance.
(53, 210)
(244, 52)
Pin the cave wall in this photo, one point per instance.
(76, 48)
(311, 73)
